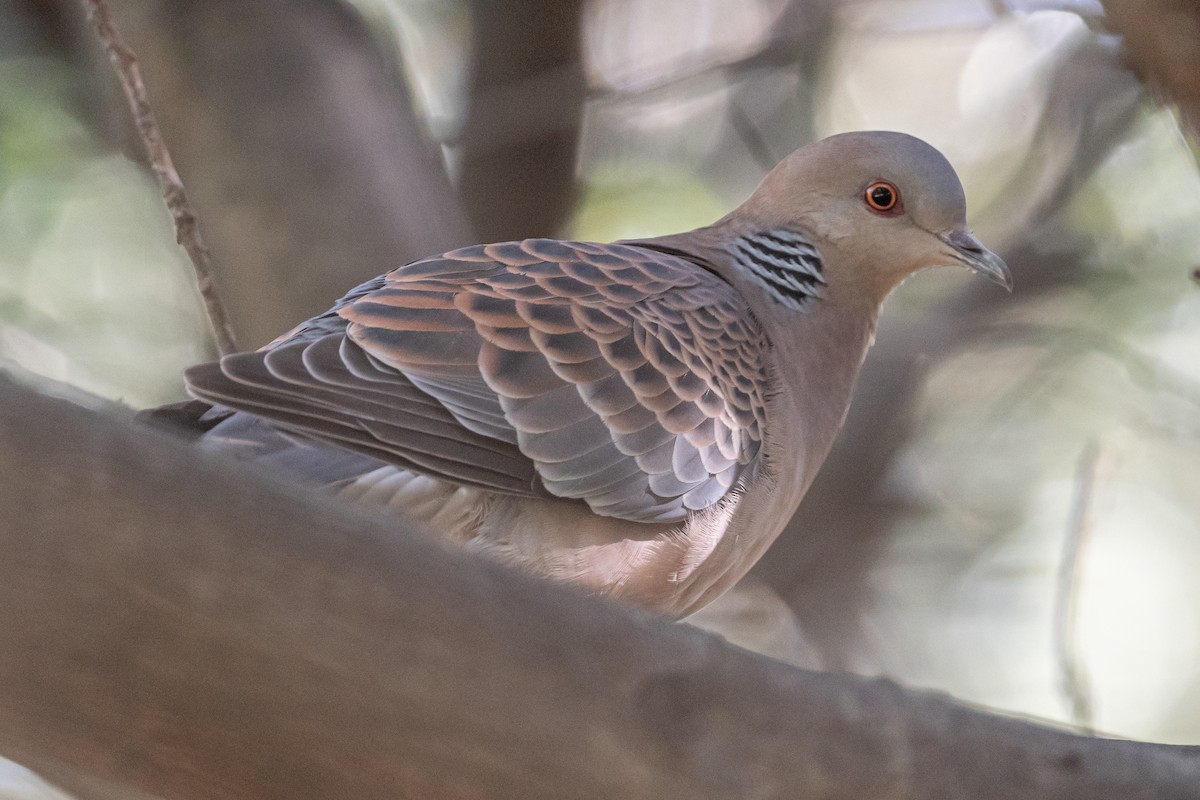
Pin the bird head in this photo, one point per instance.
(877, 206)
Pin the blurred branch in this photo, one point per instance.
(1066, 598)
(1148, 373)
(1162, 40)
(780, 52)
(172, 624)
(37, 26)
(187, 231)
(1091, 105)
(823, 561)
(752, 137)
(798, 44)
(524, 114)
(300, 146)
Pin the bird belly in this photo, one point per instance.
(666, 567)
(455, 512)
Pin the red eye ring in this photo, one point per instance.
(883, 197)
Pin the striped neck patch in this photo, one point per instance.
(786, 265)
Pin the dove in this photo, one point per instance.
(639, 418)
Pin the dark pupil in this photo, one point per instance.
(881, 196)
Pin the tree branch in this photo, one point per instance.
(187, 231)
(173, 624)
(1161, 38)
(301, 149)
(1072, 672)
(523, 118)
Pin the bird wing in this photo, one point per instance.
(618, 375)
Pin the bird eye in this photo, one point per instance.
(883, 197)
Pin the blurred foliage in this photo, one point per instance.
(93, 290)
(1066, 164)
(994, 459)
(628, 200)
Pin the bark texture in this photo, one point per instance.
(174, 625)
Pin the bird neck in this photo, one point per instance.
(816, 358)
(816, 350)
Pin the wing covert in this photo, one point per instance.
(614, 374)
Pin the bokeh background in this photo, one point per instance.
(1012, 514)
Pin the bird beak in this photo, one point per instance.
(968, 251)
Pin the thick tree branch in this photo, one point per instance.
(174, 625)
(526, 107)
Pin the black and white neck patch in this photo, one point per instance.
(784, 262)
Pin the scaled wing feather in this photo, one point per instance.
(614, 374)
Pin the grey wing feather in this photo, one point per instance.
(402, 426)
(624, 377)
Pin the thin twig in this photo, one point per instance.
(1066, 600)
(187, 232)
(745, 128)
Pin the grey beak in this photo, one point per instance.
(971, 253)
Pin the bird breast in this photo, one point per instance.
(674, 568)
